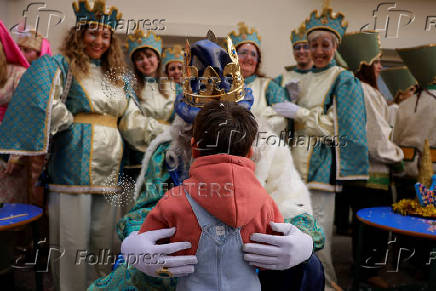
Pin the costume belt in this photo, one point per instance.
(97, 119)
(410, 153)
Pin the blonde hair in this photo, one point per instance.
(73, 49)
(3, 67)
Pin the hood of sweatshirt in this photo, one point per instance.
(226, 186)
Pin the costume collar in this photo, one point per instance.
(250, 79)
(303, 71)
(331, 64)
(96, 62)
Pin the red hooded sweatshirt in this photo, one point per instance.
(227, 188)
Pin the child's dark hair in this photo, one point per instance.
(224, 127)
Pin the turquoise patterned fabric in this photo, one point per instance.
(69, 163)
(274, 93)
(307, 223)
(23, 127)
(351, 123)
(157, 174)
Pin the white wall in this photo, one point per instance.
(274, 19)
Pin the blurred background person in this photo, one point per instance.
(401, 84)
(265, 92)
(331, 108)
(155, 96)
(361, 51)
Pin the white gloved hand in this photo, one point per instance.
(282, 252)
(293, 89)
(286, 109)
(142, 252)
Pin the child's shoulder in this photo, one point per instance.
(173, 197)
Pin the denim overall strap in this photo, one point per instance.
(221, 264)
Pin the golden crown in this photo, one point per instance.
(210, 80)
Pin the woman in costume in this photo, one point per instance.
(361, 51)
(416, 118)
(172, 63)
(63, 97)
(154, 95)
(330, 121)
(401, 84)
(13, 176)
(265, 92)
(167, 163)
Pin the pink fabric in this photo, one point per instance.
(11, 49)
(45, 47)
(2, 111)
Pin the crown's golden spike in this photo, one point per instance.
(326, 4)
(426, 167)
(243, 29)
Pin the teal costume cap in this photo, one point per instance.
(398, 80)
(359, 48)
(421, 62)
(245, 35)
(140, 40)
(97, 14)
(327, 20)
(299, 35)
(174, 54)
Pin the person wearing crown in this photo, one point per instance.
(172, 63)
(265, 92)
(416, 120)
(61, 104)
(361, 51)
(154, 94)
(300, 48)
(329, 113)
(167, 164)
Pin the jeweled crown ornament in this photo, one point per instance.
(140, 40)
(173, 54)
(299, 35)
(245, 35)
(97, 14)
(327, 20)
(207, 77)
